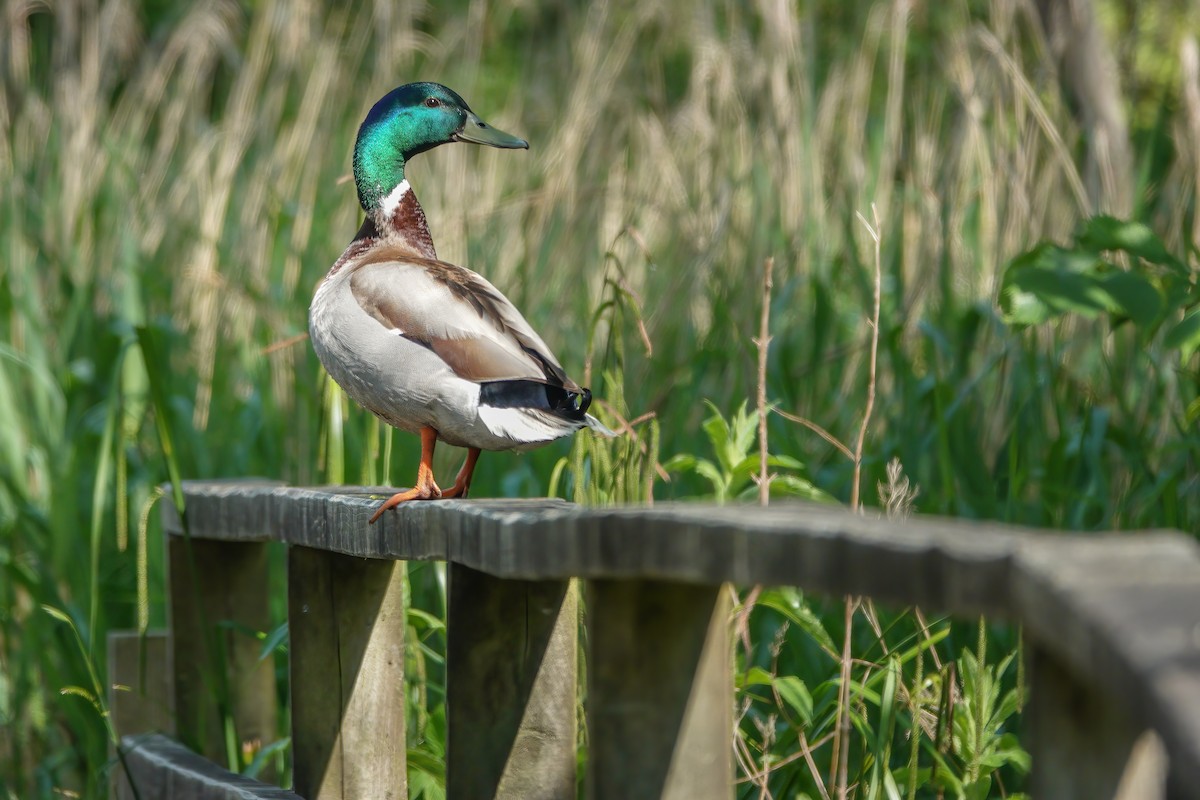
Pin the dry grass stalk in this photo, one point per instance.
(898, 494)
(840, 759)
(762, 342)
(872, 363)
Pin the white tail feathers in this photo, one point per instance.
(598, 426)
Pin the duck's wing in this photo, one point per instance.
(458, 315)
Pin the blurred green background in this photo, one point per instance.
(182, 169)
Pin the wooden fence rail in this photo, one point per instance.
(1111, 625)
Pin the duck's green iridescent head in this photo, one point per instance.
(409, 120)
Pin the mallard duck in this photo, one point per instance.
(427, 346)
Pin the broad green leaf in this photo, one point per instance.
(750, 463)
(944, 775)
(1024, 309)
(423, 761)
(796, 486)
(682, 462)
(1185, 335)
(980, 789)
(1137, 297)
(425, 781)
(784, 462)
(745, 432)
(790, 603)
(744, 468)
(793, 692)
(1036, 293)
(1108, 233)
(1014, 755)
(709, 470)
(757, 676)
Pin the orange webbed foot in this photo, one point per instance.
(427, 492)
(426, 488)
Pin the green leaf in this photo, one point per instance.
(1057, 284)
(889, 784)
(427, 620)
(745, 431)
(980, 789)
(709, 470)
(791, 604)
(424, 776)
(1109, 233)
(260, 758)
(757, 676)
(1193, 411)
(58, 614)
(682, 462)
(793, 692)
(1014, 755)
(784, 462)
(424, 761)
(1185, 335)
(1137, 297)
(716, 427)
(881, 748)
(798, 487)
(156, 366)
(276, 639)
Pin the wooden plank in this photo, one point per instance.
(945, 563)
(511, 687)
(219, 598)
(1084, 746)
(347, 626)
(1122, 614)
(163, 769)
(660, 691)
(1118, 611)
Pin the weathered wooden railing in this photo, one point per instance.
(1111, 622)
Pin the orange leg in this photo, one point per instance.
(426, 488)
(462, 483)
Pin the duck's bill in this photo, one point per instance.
(477, 131)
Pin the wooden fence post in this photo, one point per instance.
(141, 667)
(510, 687)
(143, 704)
(347, 624)
(219, 596)
(1083, 746)
(660, 690)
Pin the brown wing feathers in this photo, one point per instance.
(478, 358)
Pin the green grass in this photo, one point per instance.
(183, 169)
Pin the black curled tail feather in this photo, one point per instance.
(582, 400)
(535, 395)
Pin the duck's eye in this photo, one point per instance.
(432, 102)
